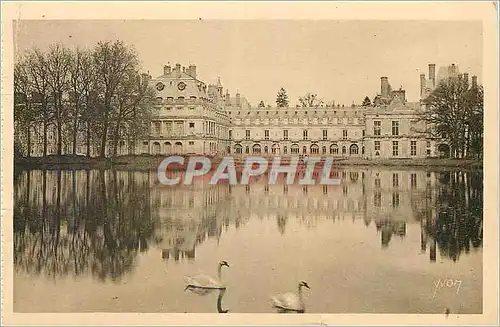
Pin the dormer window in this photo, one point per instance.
(192, 97)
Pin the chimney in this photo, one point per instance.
(466, 77)
(453, 69)
(238, 99)
(192, 71)
(384, 87)
(422, 84)
(167, 70)
(432, 74)
(178, 68)
(474, 81)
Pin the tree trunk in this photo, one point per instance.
(75, 128)
(59, 125)
(88, 139)
(28, 155)
(115, 138)
(45, 137)
(104, 139)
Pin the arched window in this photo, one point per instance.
(238, 149)
(256, 149)
(178, 147)
(315, 149)
(294, 149)
(275, 149)
(266, 151)
(353, 149)
(156, 148)
(343, 150)
(167, 147)
(334, 149)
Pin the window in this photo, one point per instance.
(191, 142)
(230, 134)
(285, 150)
(376, 127)
(285, 134)
(395, 148)
(428, 152)
(377, 146)
(413, 180)
(266, 150)
(247, 150)
(334, 149)
(364, 133)
(413, 148)
(157, 127)
(237, 148)
(343, 150)
(266, 134)
(344, 134)
(377, 199)
(395, 180)
(376, 181)
(325, 135)
(353, 149)
(145, 143)
(304, 134)
(191, 125)
(395, 127)
(324, 149)
(395, 199)
(304, 149)
(247, 135)
(169, 108)
(428, 144)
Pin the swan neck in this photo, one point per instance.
(300, 292)
(219, 271)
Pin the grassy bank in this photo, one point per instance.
(150, 162)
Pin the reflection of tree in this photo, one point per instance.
(87, 222)
(458, 223)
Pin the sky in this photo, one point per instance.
(338, 60)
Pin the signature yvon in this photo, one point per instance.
(447, 283)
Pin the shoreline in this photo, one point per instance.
(151, 162)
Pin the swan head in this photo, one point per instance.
(223, 263)
(304, 284)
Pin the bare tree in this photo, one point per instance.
(114, 61)
(58, 63)
(38, 77)
(134, 103)
(310, 100)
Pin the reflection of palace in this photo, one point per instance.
(97, 221)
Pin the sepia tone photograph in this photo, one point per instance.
(193, 165)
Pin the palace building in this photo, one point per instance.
(193, 117)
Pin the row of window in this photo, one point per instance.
(305, 134)
(294, 149)
(395, 148)
(377, 127)
(296, 112)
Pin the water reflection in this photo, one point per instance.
(97, 222)
(82, 222)
(206, 291)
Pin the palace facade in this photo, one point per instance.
(193, 117)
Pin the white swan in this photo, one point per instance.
(291, 301)
(204, 281)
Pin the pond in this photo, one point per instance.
(383, 241)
